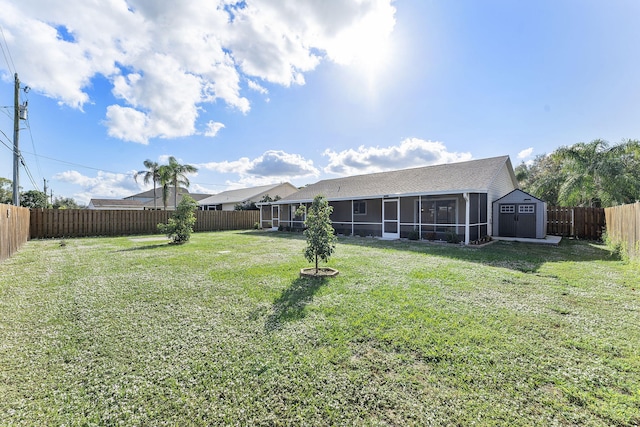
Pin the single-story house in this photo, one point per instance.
(144, 200)
(436, 202)
(227, 200)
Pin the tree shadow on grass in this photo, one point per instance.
(145, 247)
(292, 303)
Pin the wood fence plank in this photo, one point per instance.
(15, 226)
(58, 223)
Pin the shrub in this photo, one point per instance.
(452, 237)
(180, 225)
(321, 240)
(413, 235)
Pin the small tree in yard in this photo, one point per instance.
(180, 225)
(321, 241)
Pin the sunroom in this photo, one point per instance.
(429, 217)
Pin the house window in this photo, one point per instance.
(359, 208)
(507, 209)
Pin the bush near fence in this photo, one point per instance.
(14, 229)
(623, 228)
(58, 223)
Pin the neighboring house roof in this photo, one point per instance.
(146, 194)
(143, 200)
(470, 176)
(246, 194)
(195, 196)
(149, 194)
(115, 204)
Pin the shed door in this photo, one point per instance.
(526, 223)
(507, 227)
(518, 220)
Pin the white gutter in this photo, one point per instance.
(383, 196)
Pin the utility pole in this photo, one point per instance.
(19, 113)
(16, 145)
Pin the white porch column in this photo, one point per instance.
(420, 216)
(467, 211)
(260, 218)
(352, 219)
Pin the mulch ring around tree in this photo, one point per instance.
(321, 272)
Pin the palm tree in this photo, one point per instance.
(164, 174)
(151, 174)
(598, 175)
(178, 176)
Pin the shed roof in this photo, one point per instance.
(470, 176)
(517, 194)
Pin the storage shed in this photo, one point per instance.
(519, 214)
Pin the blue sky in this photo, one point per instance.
(266, 91)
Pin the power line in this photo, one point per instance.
(11, 66)
(8, 146)
(35, 186)
(33, 145)
(104, 170)
(75, 164)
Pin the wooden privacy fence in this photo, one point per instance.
(53, 223)
(14, 229)
(583, 223)
(623, 228)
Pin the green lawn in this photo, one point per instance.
(125, 331)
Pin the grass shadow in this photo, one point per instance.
(524, 257)
(292, 303)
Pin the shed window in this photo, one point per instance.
(507, 209)
(359, 208)
(527, 209)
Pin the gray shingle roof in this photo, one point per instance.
(116, 202)
(237, 196)
(158, 193)
(472, 176)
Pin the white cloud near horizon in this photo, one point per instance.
(165, 59)
(103, 185)
(271, 167)
(412, 152)
(525, 153)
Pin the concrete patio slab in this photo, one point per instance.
(549, 240)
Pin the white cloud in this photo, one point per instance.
(412, 152)
(103, 185)
(272, 166)
(164, 59)
(257, 87)
(213, 128)
(525, 153)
